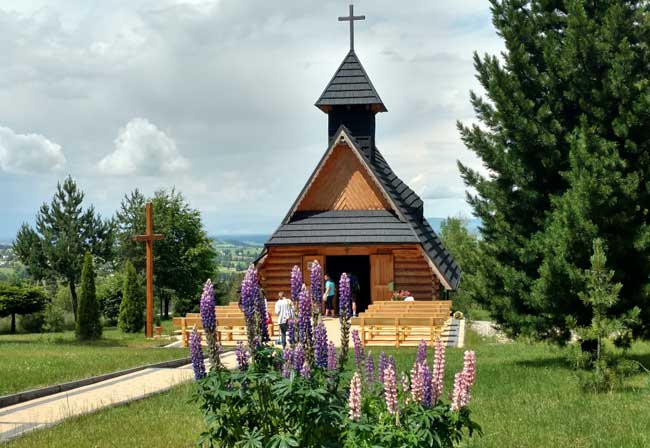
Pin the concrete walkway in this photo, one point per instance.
(53, 409)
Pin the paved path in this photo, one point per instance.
(50, 410)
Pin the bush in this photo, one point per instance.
(89, 326)
(54, 318)
(32, 323)
(131, 318)
(109, 295)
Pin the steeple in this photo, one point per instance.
(350, 99)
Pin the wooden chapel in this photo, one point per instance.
(354, 214)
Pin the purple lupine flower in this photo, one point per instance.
(438, 370)
(391, 362)
(316, 281)
(242, 356)
(422, 352)
(291, 331)
(383, 362)
(320, 345)
(370, 369)
(261, 314)
(390, 390)
(249, 292)
(296, 282)
(417, 382)
(331, 356)
(358, 349)
(207, 307)
(298, 357)
(196, 351)
(427, 397)
(304, 317)
(287, 365)
(354, 401)
(305, 370)
(345, 294)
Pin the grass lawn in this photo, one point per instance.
(525, 396)
(33, 360)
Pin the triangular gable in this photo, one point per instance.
(343, 181)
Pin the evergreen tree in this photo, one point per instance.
(564, 136)
(88, 324)
(131, 318)
(64, 233)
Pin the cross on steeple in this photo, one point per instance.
(351, 18)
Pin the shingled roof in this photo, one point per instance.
(350, 85)
(407, 225)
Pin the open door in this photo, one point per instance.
(381, 274)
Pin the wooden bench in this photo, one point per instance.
(230, 330)
(399, 331)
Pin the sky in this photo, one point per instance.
(216, 98)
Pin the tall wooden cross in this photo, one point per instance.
(351, 18)
(149, 237)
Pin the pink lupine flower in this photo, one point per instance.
(470, 368)
(417, 382)
(438, 371)
(355, 397)
(405, 386)
(458, 396)
(463, 382)
(390, 389)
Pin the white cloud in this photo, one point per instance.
(141, 148)
(28, 153)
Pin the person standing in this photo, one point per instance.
(284, 311)
(328, 296)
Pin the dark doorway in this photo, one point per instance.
(356, 266)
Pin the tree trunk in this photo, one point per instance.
(167, 306)
(73, 294)
(12, 330)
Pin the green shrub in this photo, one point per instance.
(88, 324)
(131, 318)
(54, 318)
(109, 295)
(32, 323)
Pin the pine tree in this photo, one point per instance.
(88, 324)
(131, 318)
(564, 136)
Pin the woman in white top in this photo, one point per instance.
(284, 311)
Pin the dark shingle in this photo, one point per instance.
(350, 85)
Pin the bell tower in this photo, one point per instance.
(350, 99)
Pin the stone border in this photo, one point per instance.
(21, 397)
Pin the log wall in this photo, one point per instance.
(411, 271)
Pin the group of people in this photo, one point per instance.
(284, 307)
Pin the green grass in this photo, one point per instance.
(164, 420)
(525, 396)
(35, 360)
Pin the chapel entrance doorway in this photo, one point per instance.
(358, 269)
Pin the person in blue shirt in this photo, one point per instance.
(328, 296)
